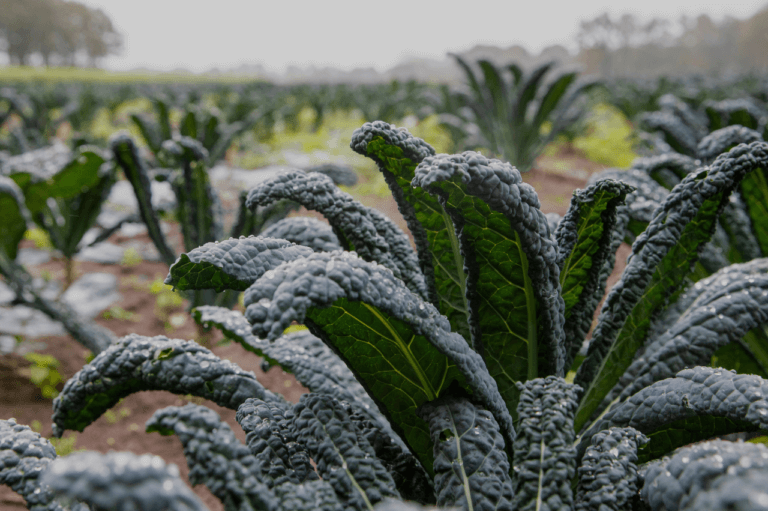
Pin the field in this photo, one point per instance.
(208, 142)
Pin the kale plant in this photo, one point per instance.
(63, 192)
(508, 115)
(437, 376)
(207, 126)
(15, 219)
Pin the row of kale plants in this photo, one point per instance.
(437, 376)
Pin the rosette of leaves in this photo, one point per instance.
(476, 408)
(508, 112)
(16, 218)
(207, 126)
(40, 111)
(65, 200)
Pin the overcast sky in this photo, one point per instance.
(168, 34)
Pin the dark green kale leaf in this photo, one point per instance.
(667, 169)
(662, 258)
(271, 439)
(397, 153)
(696, 404)
(544, 461)
(310, 496)
(15, 217)
(121, 481)
(319, 369)
(723, 314)
(608, 478)
(709, 475)
(723, 140)
(584, 243)
(702, 290)
(640, 203)
(216, 457)
(344, 459)
(231, 264)
(471, 465)
(398, 347)
(304, 230)
(357, 227)
(136, 363)
(127, 156)
(743, 111)
(24, 455)
(676, 133)
(513, 288)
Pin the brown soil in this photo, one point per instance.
(123, 428)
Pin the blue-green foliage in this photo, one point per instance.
(415, 401)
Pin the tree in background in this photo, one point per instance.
(628, 47)
(57, 30)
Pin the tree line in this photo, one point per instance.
(628, 47)
(58, 32)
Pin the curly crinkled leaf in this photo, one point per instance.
(667, 169)
(471, 465)
(694, 119)
(127, 156)
(319, 369)
(302, 354)
(397, 153)
(701, 290)
(608, 479)
(754, 195)
(640, 203)
(351, 221)
(743, 111)
(343, 458)
(724, 139)
(584, 242)
(662, 258)
(741, 229)
(121, 481)
(197, 206)
(743, 490)
(411, 480)
(696, 404)
(544, 462)
(516, 309)
(303, 230)
(15, 217)
(727, 312)
(273, 442)
(399, 347)
(310, 496)
(231, 264)
(341, 174)
(402, 253)
(216, 457)
(709, 475)
(24, 455)
(136, 363)
(399, 505)
(676, 133)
